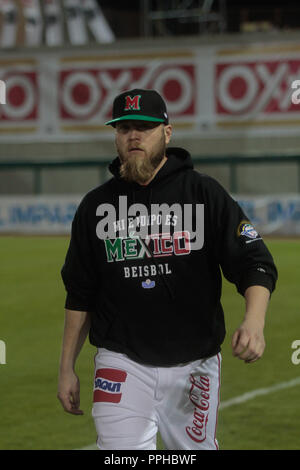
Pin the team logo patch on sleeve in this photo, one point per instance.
(108, 385)
(247, 230)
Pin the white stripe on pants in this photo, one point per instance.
(133, 401)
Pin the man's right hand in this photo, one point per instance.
(77, 325)
(69, 392)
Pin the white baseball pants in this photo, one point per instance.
(133, 401)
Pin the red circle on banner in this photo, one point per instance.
(81, 93)
(16, 95)
(172, 90)
(237, 87)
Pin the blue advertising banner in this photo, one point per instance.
(53, 214)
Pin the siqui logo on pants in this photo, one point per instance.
(108, 385)
(199, 397)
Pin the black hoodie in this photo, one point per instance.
(154, 298)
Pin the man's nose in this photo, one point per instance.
(134, 134)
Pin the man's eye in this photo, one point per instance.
(141, 127)
(144, 127)
(123, 128)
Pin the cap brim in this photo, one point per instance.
(134, 117)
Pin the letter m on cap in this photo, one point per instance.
(132, 103)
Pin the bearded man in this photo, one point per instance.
(152, 304)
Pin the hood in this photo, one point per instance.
(178, 160)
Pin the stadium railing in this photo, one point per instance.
(233, 162)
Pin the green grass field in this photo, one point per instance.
(31, 323)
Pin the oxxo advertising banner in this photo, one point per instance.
(48, 214)
(209, 90)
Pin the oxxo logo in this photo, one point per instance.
(2, 352)
(2, 92)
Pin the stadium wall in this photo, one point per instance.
(227, 95)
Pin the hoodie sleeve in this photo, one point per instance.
(78, 272)
(241, 252)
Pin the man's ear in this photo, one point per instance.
(168, 133)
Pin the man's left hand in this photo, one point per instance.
(248, 342)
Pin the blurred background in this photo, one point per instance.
(229, 72)
(225, 68)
